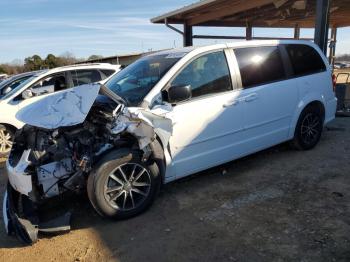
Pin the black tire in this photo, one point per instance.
(309, 128)
(99, 183)
(6, 138)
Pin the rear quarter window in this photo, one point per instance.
(87, 76)
(305, 60)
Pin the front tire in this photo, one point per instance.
(6, 140)
(309, 128)
(122, 186)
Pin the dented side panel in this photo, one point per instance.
(144, 125)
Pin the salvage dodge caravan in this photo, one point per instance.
(166, 116)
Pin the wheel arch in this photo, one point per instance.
(9, 126)
(318, 104)
(159, 156)
(312, 101)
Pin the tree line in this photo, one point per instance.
(35, 62)
(345, 57)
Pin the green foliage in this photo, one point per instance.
(345, 57)
(95, 57)
(52, 61)
(33, 63)
(2, 70)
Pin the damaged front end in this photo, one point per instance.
(66, 134)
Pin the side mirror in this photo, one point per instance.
(177, 93)
(6, 90)
(27, 94)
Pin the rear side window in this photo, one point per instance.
(305, 60)
(259, 65)
(82, 77)
(206, 74)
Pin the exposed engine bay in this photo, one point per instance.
(61, 157)
(54, 158)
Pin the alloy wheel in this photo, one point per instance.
(5, 141)
(310, 128)
(127, 186)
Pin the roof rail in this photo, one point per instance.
(86, 64)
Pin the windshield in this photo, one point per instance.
(10, 84)
(135, 81)
(22, 84)
(5, 83)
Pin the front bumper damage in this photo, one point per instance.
(23, 213)
(22, 218)
(20, 214)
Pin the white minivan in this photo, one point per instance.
(164, 117)
(39, 85)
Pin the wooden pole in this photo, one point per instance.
(332, 46)
(296, 32)
(188, 35)
(248, 32)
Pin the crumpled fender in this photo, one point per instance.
(145, 124)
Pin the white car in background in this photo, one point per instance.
(39, 86)
(3, 77)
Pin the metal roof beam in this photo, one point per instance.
(322, 24)
(241, 6)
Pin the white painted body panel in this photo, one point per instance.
(17, 175)
(268, 111)
(206, 135)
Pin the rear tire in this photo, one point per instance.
(309, 128)
(6, 140)
(122, 186)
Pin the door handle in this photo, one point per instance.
(251, 97)
(231, 103)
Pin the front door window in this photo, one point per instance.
(207, 74)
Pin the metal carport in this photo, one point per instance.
(297, 14)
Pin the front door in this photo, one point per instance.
(207, 127)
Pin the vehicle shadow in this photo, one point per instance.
(160, 219)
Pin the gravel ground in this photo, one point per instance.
(276, 205)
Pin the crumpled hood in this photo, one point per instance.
(66, 108)
(71, 107)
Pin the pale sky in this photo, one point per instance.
(105, 27)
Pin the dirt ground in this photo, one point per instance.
(276, 205)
